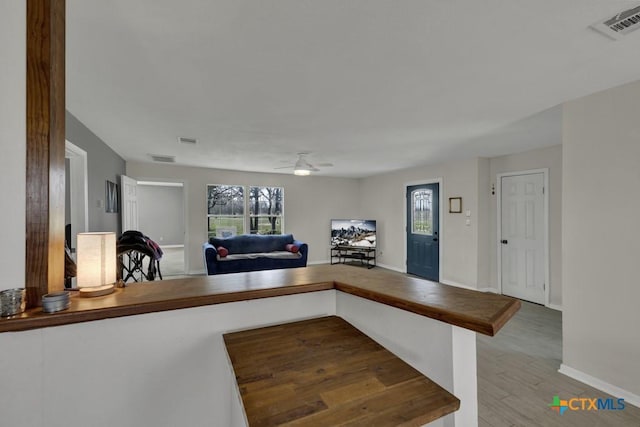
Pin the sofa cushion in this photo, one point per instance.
(293, 248)
(255, 255)
(252, 243)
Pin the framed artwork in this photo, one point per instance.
(455, 204)
(111, 198)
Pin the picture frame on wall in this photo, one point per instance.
(455, 204)
(111, 198)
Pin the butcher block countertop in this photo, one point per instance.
(325, 372)
(477, 311)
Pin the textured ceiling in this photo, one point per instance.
(368, 85)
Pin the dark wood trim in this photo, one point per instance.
(477, 311)
(44, 258)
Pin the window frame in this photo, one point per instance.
(246, 216)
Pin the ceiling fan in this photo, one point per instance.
(303, 168)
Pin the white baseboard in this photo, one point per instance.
(390, 267)
(318, 262)
(197, 272)
(555, 307)
(456, 284)
(604, 386)
(170, 246)
(489, 289)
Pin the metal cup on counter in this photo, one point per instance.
(12, 301)
(56, 301)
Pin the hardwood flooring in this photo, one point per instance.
(518, 377)
(325, 372)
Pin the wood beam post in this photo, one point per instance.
(45, 184)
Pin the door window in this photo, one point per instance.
(422, 212)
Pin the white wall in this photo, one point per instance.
(159, 369)
(309, 203)
(551, 158)
(383, 198)
(12, 137)
(161, 213)
(601, 236)
(483, 221)
(103, 164)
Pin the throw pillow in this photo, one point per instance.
(292, 248)
(222, 251)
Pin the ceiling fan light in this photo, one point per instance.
(301, 172)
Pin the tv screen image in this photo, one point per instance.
(353, 232)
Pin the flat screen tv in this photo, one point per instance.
(353, 232)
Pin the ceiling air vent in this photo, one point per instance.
(619, 25)
(163, 159)
(183, 140)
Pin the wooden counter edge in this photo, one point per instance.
(36, 318)
(489, 328)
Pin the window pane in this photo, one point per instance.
(265, 225)
(265, 210)
(225, 200)
(421, 214)
(228, 222)
(265, 201)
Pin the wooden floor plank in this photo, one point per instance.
(324, 372)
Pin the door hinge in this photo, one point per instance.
(544, 286)
(542, 190)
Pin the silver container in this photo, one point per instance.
(12, 301)
(56, 301)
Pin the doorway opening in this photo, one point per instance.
(76, 198)
(161, 216)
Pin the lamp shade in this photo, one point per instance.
(96, 259)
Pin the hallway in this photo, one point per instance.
(518, 377)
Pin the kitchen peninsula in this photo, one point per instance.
(154, 352)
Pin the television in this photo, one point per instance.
(359, 233)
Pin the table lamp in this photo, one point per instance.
(96, 263)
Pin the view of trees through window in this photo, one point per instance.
(265, 210)
(227, 209)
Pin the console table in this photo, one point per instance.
(353, 255)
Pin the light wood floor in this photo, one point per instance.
(518, 377)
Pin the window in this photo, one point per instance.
(422, 212)
(228, 213)
(225, 210)
(265, 210)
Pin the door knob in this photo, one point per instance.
(504, 242)
(435, 239)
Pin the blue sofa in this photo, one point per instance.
(251, 252)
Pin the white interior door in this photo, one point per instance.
(522, 237)
(129, 197)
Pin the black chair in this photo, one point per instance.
(133, 248)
